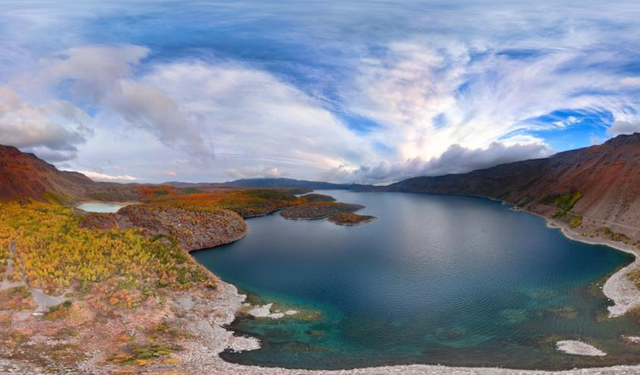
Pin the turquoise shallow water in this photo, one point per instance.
(436, 280)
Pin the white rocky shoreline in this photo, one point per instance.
(205, 359)
(207, 322)
(624, 294)
(618, 288)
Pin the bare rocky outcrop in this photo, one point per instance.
(195, 229)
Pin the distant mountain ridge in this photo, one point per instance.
(605, 179)
(601, 183)
(291, 183)
(25, 176)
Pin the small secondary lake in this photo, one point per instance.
(436, 280)
(100, 207)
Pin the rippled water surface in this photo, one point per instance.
(436, 280)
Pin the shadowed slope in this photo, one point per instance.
(607, 178)
(26, 176)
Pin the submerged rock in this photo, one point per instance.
(264, 311)
(577, 347)
(631, 339)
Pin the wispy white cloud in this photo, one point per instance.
(431, 95)
(456, 159)
(253, 117)
(254, 172)
(448, 87)
(624, 127)
(97, 176)
(102, 77)
(54, 129)
(631, 81)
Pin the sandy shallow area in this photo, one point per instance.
(211, 337)
(204, 359)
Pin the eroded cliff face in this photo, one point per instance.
(194, 229)
(25, 176)
(607, 177)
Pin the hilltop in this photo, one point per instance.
(597, 186)
(292, 184)
(25, 175)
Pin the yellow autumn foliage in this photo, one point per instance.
(54, 254)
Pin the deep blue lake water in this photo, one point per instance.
(436, 280)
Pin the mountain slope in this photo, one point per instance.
(605, 180)
(26, 176)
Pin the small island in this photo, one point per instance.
(318, 210)
(350, 219)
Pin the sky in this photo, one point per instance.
(341, 91)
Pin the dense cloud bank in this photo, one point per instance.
(346, 93)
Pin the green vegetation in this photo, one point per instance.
(190, 190)
(142, 355)
(564, 204)
(113, 268)
(5, 246)
(615, 236)
(18, 298)
(575, 221)
(150, 192)
(153, 343)
(59, 312)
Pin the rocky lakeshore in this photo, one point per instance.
(214, 339)
(619, 288)
(205, 321)
(204, 315)
(623, 292)
(211, 338)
